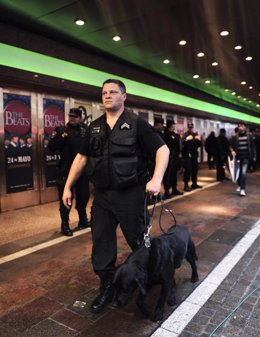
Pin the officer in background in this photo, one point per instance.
(173, 141)
(114, 154)
(67, 140)
(158, 126)
(191, 144)
(222, 151)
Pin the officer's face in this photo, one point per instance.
(112, 97)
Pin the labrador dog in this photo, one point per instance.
(155, 265)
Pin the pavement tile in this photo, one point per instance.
(72, 320)
(30, 314)
(16, 294)
(49, 328)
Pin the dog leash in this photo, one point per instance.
(166, 209)
(147, 237)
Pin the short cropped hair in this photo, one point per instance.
(118, 82)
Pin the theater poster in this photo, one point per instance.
(53, 115)
(18, 143)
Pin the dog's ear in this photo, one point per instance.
(141, 280)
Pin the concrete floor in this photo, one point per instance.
(38, 288)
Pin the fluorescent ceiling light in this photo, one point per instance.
(116, 38)
(80, 22)
(224, 33)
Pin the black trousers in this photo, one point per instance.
(190, 166)
(81, 192)
(109, 209)
(220, 163)
(170, 176)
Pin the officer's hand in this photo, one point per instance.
(189, 137)
(67, 198)
(153, 187)
(63, 131)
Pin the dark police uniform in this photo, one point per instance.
(190, 159)
(173, 141)
(67, 140)
(116, 166)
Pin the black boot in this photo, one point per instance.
(104, 298)
(167, 195)
(65, 229)
(175, 191)
(187, 188)
(83, 223)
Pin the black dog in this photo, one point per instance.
(155, 265)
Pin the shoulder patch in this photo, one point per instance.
(125, 126)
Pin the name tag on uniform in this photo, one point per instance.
(95, 129)
(125, 126)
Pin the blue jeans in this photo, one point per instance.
(244, 163)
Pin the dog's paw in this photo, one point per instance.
(195, 279)
(157, 316)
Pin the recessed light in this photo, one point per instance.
(226, 90)
(116, 38)
(250, 101)
(249, 58)
(207, 81)
(166, 61)
(250, 87)
(224, 33)
(258, 105)
(238, 47)
(239, 96)
(200, 54)
(80, 22)
(243, 82)
(244, 99)
(214, 64)
(36, 75)
(259, 94)
(233, 93)
(182, 43)
(197, 76)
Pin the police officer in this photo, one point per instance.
(173, 141)
(113, 151)
(66, 140)
(191, 143)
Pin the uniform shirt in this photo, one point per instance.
(147, 139)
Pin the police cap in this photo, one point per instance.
(74, 112)
(169, 123)
(158, 120)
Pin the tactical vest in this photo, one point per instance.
(113, 160)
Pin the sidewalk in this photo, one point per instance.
(38, 290)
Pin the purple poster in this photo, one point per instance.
(53, 115)
(18, 143)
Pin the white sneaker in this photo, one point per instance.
(238, 189)
(243, 193)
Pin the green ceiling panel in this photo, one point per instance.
(41, 64)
